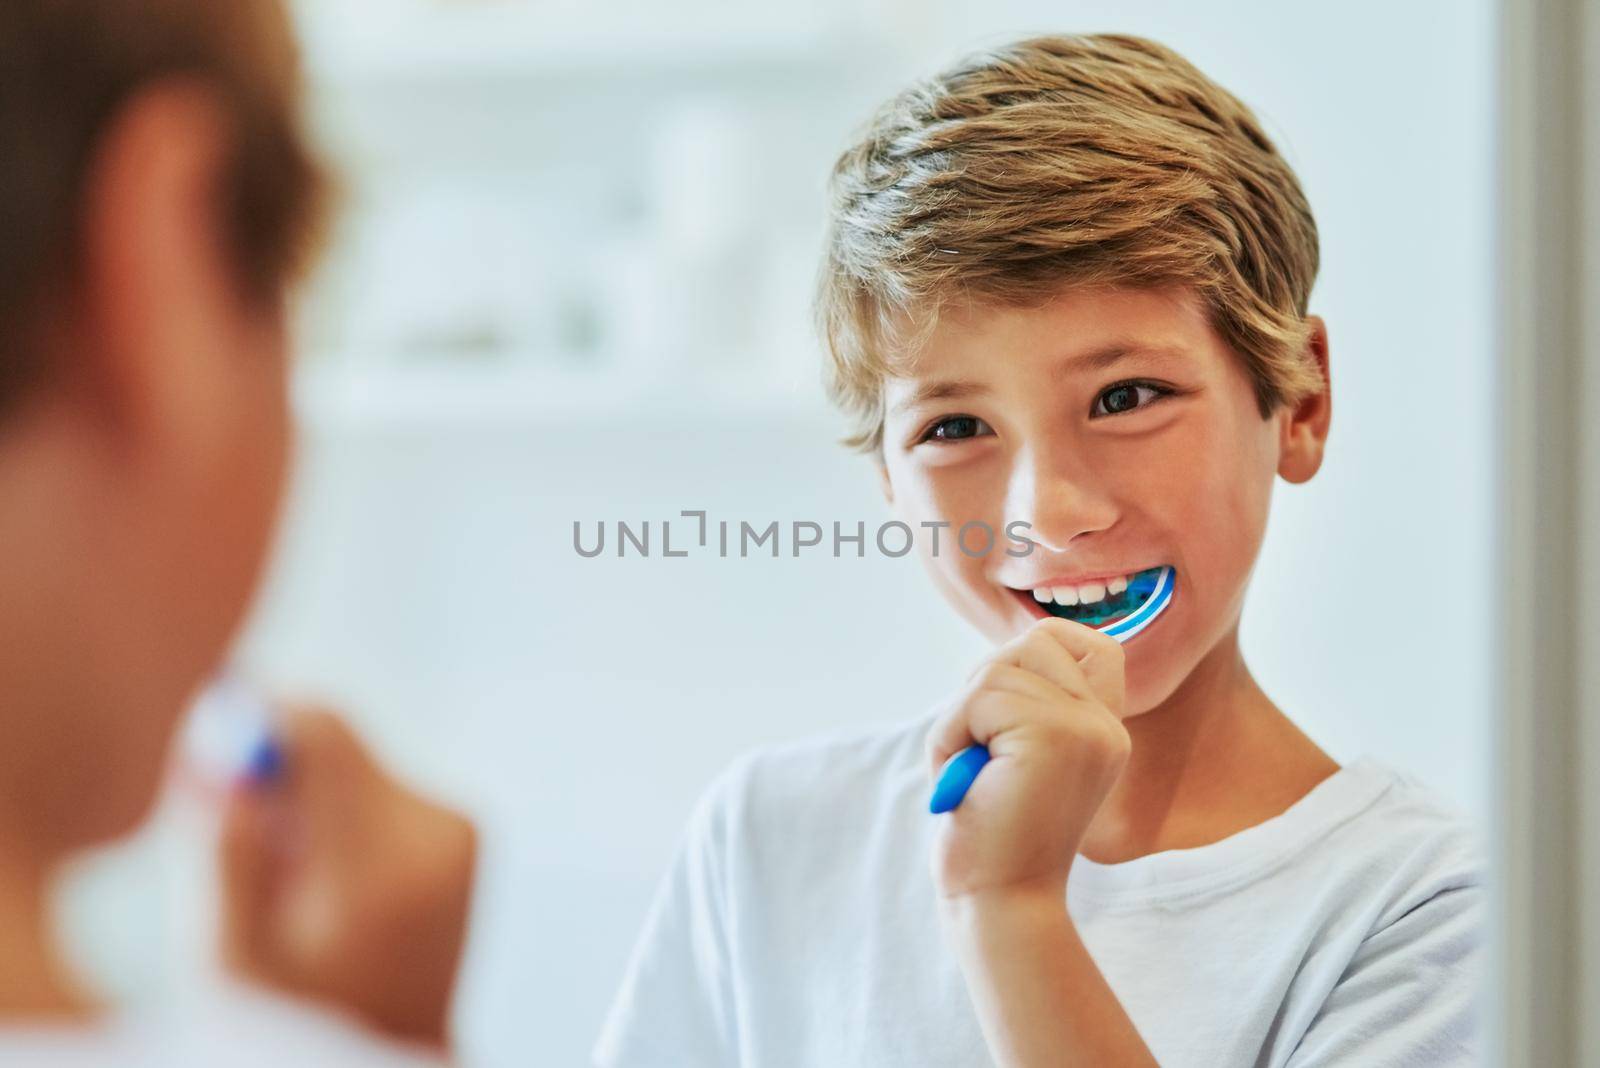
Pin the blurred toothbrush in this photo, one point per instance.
(230, 738)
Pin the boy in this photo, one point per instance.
(1067, 284)
(156, 198)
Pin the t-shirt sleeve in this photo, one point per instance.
(676, 1003)
(1411, 994)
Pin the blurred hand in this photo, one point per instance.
(342, 885)
(1049, 706)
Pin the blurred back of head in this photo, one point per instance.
(156, 198)
(67, 66)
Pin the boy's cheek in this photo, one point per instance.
(963, 585)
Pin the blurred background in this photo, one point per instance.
(570, 283)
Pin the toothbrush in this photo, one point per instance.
(230, 736)
(961, 770)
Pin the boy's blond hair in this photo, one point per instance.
(1094, 160)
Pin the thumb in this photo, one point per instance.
(327, 782)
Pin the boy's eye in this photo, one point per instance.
(956, 428)
(1124, 397)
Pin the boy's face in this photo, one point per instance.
(1123, 430)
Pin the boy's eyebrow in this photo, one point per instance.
(932, 391)
(1113, 352)
(1094, 360)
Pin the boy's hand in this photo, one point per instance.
(342, 885)
(1048, 705)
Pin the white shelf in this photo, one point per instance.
(356, 43)
(341, 394)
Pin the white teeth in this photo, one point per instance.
(1088, 593)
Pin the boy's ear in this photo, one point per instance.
(1304, 429)
(156, 281)
(883, 479)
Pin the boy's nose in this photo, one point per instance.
(1059, 501)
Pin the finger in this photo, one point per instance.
(1098, 659)
(1011, 726)
(998, 684)
(317, 742)
(327, 775)
(1039, 651)
(246, 876)
(947, 736)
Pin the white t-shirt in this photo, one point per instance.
(798, 926)
(229, 1025)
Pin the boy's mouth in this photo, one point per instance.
(1095, 604)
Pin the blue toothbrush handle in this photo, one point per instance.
(957, 777)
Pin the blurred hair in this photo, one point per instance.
(68, 66)
(1100, 160)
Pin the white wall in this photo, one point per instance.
(428, 579)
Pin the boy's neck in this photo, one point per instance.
(1214, 758)
(36, 987)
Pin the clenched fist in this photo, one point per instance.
(1048, 705)
(342, 885)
